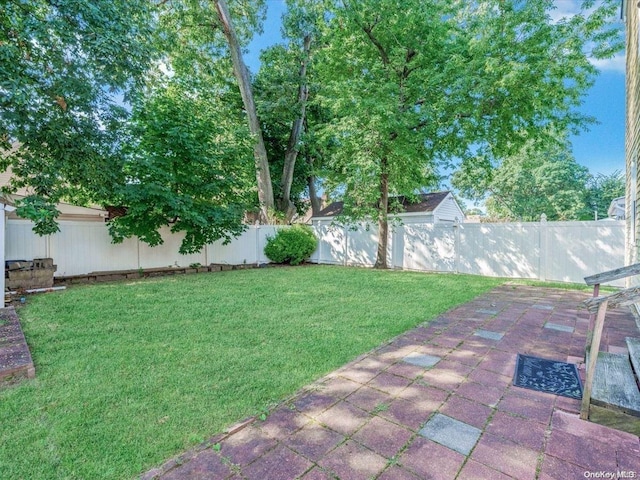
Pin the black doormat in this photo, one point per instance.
(549, 376)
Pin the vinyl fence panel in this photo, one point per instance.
(22, 244)
(559, 251)
(429, 247)
(332, 244)
(83, 247)
(166, 255)
(581, 249)
(248, 248)
(499, 249)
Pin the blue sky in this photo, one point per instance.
(601, 149)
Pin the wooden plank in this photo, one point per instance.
(615, 419)
(611, 275)
(614, 385)
(617, 299)
(592, 360)
(633, 344)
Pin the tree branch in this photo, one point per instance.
(383, 53)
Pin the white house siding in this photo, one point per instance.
(632, 130)
(413, 218)
(448, 211)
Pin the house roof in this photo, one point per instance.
(427, 202)
(67, 211)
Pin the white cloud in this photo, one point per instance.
(615, 64)
(564, 9)
(567, 9)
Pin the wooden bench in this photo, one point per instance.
(611, 382)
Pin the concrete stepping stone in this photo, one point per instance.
(542, 307)
(425, 361)
(489, 334)
(451, 433)
(560, 328)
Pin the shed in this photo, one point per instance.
(437, 207)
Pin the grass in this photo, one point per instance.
(131, 373)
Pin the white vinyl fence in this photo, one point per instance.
(83, 247)
(554, 251)
(558, 251)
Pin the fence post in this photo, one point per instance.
(47, 247)
(319, 234)
(3, 239)
(543, 249)
(346, 244)
(397, 247)
(256, 229)
(456, 243)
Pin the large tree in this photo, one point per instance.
(285, 87)
(241, 72)
(601, 190)
(415, 85)
(187, 156)
(64, 69)
(188, 166)
(222, 29)
(539, 179)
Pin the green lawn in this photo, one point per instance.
(131, 373)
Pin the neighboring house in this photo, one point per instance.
(616, 209)
(67, 211)
(439, 207)
(631, 14)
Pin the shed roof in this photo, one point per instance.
(427, 202)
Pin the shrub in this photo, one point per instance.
(291, 245)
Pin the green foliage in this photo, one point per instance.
(190, 168)
(278, 85)
(276, 89)
(189, 163)
(63, 67)
(392, 99)
(41, 212)
(454, 84)
(601, 190)
(291, 245)
(540, 178)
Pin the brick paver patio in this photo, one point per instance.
(437, 403)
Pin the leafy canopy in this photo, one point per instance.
(451, 80)
(188, 157)
(540, 178)
(415, 86)
(189, 166)
(63, 67)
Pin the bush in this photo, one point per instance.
(291, 245)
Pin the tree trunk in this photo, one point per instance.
(291, 154)
(263, 177)
(383, 218)
(316, 204)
